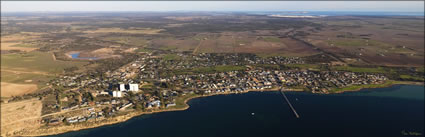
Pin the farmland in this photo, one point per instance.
(35, 51)
(26, 72)
(52, 62)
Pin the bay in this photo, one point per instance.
(382, 112)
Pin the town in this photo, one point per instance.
(159, 82)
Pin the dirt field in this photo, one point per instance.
(380, 41)
(10, 89)
(19, 37)
(26, 72)
(244, 42)
(11, 46)
(20, 115)
(174, 44)
(130, 31)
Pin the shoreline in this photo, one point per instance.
(382, 86)
(122, 118)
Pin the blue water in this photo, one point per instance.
(77, 56)
(384, 112)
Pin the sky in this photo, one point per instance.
(375, 6)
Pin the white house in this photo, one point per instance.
(129, 87)
(117, 94)
(134, 87)
(122, 87)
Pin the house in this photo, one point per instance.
(117, 94)
(155, 103)
(122, 87)
(134, 87)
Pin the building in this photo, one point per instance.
(129, 87)
(122, 87)
(134, 87)
(117, 94)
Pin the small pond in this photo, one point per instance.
(77, 56)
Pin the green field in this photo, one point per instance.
(20, 78)
(180, 100)
(36, 61)
(409, 77)
(202, 70)
(27, 45)
(358, 87)
(171, 57)
(33, 68)
(359, 69)
(304, 66)
(218, 69)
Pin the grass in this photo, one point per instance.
(27, 45)
(180, 100)
(224, 68)
(171, 57)
(268, 66)
(36, 61)
(39, 67)
(143, 50)
(360, 69)
(409, 77)
(20, 78)
(358, 87)
(147, 86)
(304, 66)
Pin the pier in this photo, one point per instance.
(289, 103)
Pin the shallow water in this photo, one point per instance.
(371, 112)
(76, 56)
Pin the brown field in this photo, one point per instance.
(186, 18)
(11, 42)
(177, 44)
(380, 41)
(10, 89)
(20, 115)
(244, 42)
(130, 31)
(11, 46)
(18, 37)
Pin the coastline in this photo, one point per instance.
(391, 83)
(122, 118)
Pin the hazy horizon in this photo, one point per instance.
(212, 6)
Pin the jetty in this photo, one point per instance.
(289, 103)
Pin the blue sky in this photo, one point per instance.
(388, 6)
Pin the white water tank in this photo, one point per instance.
(134, 87)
